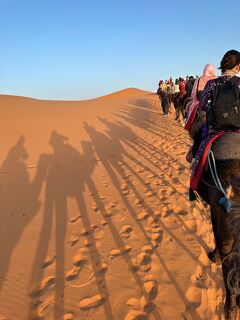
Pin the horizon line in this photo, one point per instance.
(73, 100)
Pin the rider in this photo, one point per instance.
(208, 74)
(212, 98)
(189, 86)
(182, 93)
(166, 101)
(194, 121)
(230, 66)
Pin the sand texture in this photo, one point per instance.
(95, 221)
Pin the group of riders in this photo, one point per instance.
(209, 109)
(180, 93)
(193, 100)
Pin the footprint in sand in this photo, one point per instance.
(91, 302)
(126, 231)
(183, 212)
(165, 200)
(73, 240)
(113, 204)
(43, 307)
(94, 206)
(142, 216)
(150, 176)
(147, 249)
(49, 261)
(151, 288)
(157, 235)
(81, 257)
(156, 182)
(73, 273)
(105, 184)
(68, 316)
(98, 232)
(144, 261)
(146, 303)
(158, 213)
(193, 296)
(123, 250)
(125, 192)
(103, 222)
(84, 231)
(167, 212)
(108, 211)
(124, 186)
(133, 302)
(136, 315)
(149, 194)
(75, 218)
(43, 286)
(137, 203)
(99, 270)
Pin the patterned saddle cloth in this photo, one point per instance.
(227, 146)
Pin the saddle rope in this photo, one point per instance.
(224, 201)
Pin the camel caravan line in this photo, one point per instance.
(209, 109)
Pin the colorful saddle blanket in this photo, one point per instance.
(231, 150)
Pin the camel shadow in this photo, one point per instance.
(19, 200)
(119, 132)
(66, 178)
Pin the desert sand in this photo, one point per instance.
(95, 218)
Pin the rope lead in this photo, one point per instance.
(224, 201)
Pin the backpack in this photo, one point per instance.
(224, 107)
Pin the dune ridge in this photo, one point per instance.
(124, 92)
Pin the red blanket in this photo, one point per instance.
(196, 177)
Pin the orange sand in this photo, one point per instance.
(95, 218)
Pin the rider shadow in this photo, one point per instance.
(115, 131)
(129, 138)
(113, 169)
(139, 117)
(147, 120)
(143, 103)
(158, 155)
(65, 178)
(19, 200)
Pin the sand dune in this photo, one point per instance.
(95, 221)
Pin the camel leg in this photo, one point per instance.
(216, 225)
(230, 307)
(224, 245)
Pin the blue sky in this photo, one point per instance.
(80, 49)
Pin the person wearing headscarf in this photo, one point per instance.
(199, 85)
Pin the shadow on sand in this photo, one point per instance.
(19, 200)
